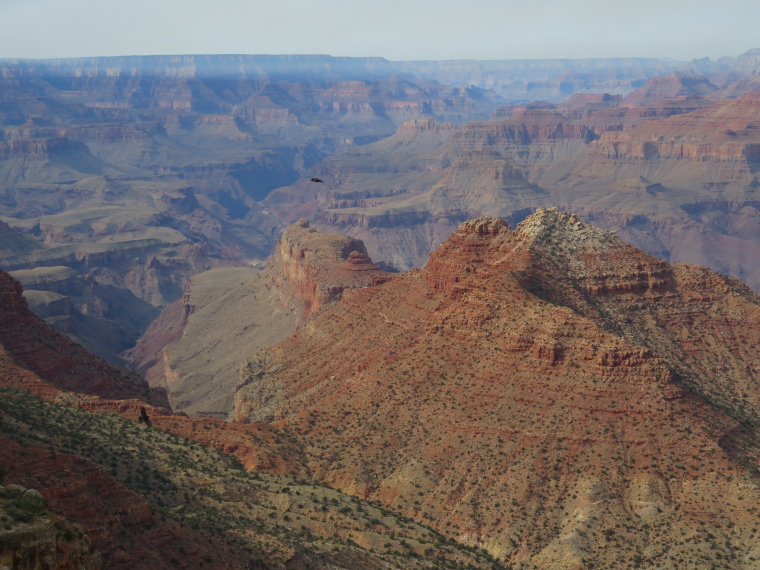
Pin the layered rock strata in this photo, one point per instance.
(671, 169)
(550, 394)
(313, 269)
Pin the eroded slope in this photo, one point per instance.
(495, 398)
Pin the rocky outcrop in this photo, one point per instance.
(529, 390)
(723, 132)
(528, 127)
(461, 254)
(313, 269)
(577, 254)
(31, 538)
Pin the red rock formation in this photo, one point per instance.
(673, 86)
(686, 314)
(523, 128)
(528, 391)
(313, 269)
(723, 132)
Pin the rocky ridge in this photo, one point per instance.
(550, 394)
(157, 499)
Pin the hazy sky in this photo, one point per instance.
(394, 29)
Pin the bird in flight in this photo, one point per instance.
(144, 419)
(315, 179)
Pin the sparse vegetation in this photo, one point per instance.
(209, 492)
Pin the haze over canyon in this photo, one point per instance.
(320, 312)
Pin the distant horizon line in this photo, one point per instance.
(750, 51)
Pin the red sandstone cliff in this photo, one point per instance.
(313, 269)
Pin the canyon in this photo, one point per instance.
(562, 375)
(137, 173)
(126, 177)
(671, 168)
(550, 394)
(196, 347)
